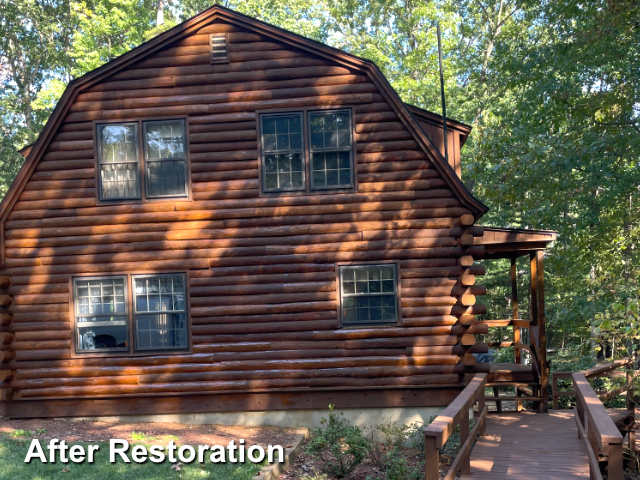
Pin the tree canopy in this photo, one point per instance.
(552, 90)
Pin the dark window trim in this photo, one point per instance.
(146, 123)
(142, 165)
(134, 312)
(76, 315)
(371, 263)
(99, 163)
(226, 41)
(307, 154)
(130, 315)
(325, 150)
(263, 154)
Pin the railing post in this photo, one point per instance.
(554, 392)
(464, 435)
(431, 458)
(615, 462)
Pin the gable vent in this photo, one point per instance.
(219, 48)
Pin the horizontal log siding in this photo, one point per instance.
(262, 280)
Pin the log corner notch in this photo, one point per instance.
(6, 355)
(468, 235)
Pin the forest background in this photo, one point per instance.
(551, 88)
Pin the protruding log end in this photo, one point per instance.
(480, 328)
(6, 394)
(465, 261)
(5, 319)
(466, 280)
(6, 375)
(466, 240)
(469, 360)
(5, 281)
(467, 319)
(6, 338)
(466, 220)
(6, 356)
(5, 300)
(468, 300)
(468, 339)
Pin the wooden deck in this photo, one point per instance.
(530, 446)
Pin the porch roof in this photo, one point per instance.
(514, 242)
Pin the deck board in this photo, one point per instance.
(530, 446)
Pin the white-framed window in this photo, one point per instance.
(368, 295)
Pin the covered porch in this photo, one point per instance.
(528, 373)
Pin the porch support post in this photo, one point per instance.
(538, 319)
(517, 351)
(514, 305)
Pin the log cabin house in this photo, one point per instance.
(232, 217)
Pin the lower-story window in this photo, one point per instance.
(160, 315)
(368, 295)
(110, 320)
(102, 322)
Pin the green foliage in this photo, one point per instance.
(388, 454)
(339, 444)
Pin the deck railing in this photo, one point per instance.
(457, 413)
(601, 371)
(600, 434)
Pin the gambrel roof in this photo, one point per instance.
(226, 15)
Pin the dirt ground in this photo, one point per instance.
(158, 433)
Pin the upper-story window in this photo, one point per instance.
(151, 167)
(307, 151)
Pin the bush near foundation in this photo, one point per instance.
(340, 445)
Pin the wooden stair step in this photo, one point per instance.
(513, 399)
(512, 384)
(619, 415)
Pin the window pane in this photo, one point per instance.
(117, 143)
(368, 295)
(166, 178)
(330, 130)
(282, 133)
(101, 320)
(165, 140)
(288, 168)
(108, 333)
(163, 293)
(100, 297)
(331, 169)
(119, 180)
(161, 331)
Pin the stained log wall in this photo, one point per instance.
(262, 269)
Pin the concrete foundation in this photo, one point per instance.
(362, 417)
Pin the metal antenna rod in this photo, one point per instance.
(444, 104)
